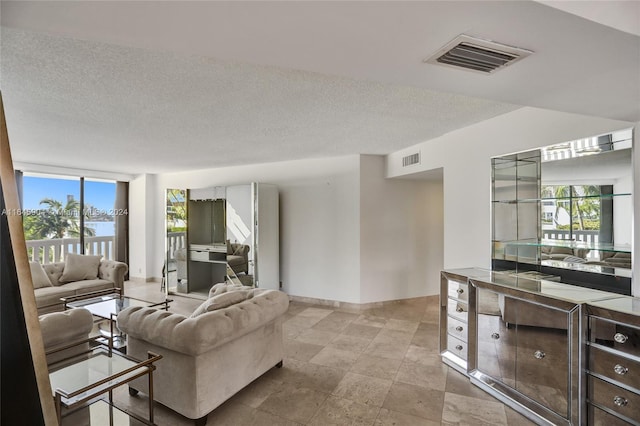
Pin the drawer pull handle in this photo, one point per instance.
(459, 309)
(460, 290)
(459, 347)
(459, 328)
(495, 336)
(620, 338)
(620, 369)
(620, 401)
(539, 354)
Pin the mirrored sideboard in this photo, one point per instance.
(556, 353)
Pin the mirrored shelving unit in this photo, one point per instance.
(566, 211)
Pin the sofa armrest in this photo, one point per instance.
(194, 336)
(62, 328)
(114, 271)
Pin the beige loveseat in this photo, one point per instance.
(208, 357)
(50, 283)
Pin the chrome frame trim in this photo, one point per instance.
(520, 403)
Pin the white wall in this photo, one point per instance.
(400, 234)
(319, 220)
(239, 211)
(142, 232)
(465, 156)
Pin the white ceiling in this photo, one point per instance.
(151, 87)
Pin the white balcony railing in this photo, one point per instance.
(588, 237)
(175, 240)
(55, 250)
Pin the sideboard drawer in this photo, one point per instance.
(459, 290)
(457, 310)
(457, 347)
(456, 328)
(614, 398)
(621, 337)
(615, 367)
(598, 417)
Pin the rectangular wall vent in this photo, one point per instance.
(410, 160)
(477, 55)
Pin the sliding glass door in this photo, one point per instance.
(68, 215)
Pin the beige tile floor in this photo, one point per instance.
(376, 367)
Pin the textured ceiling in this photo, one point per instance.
(105, 107)
(154, 86)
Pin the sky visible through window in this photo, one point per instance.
(98, 194)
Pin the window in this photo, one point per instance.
(68, 215)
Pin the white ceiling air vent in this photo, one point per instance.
(410, 160)
(477, 55)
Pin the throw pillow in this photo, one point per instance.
(39, 276)
(78, 267)
(217, 289)
(221, 301)
(224, 287)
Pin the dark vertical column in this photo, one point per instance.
(122, 223)
(20, 400)
(605, 234)
(18, 174)
(81, 218)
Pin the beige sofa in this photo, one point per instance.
(209, 357)
(48, 291)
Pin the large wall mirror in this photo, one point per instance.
(565, 212)
(221, 234)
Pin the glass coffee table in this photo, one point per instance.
(82, 384)
(106, 305)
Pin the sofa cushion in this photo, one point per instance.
(47, 296)
(229, 247)
(87, 286)
(39, 276)
(223, 300)
(54, 272)
(78, 267)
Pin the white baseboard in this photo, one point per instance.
(142, 280)
(355, 306)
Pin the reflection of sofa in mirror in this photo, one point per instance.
(614, 259)
(238, 257)
(561, 253)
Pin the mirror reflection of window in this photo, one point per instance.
(574, 213)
